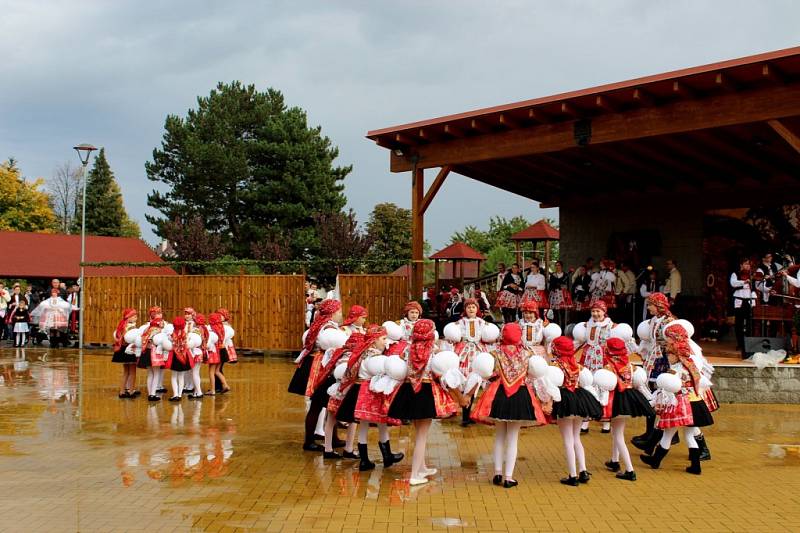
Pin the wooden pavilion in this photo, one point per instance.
(535, 233)
(457, 254)
(653, 152)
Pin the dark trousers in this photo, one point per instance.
(509, 314)
(743, 324)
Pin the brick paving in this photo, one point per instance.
(233, 463)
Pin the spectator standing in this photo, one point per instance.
(5, 297)
(672, 288)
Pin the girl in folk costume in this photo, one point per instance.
(53, 315)
(180, 345)
(509, 403)
(200, 355)
(412, 311)
(510, 293)
(688, 410)
(624, 402)
(535, 288)
(371, 406)
(356, 318)
(471, 327)
(652, 348)
(214, 353)
(152, 357)
(338, 366)
(228, 353)
(532, 328)
(421, 398)
(602, 285)
(309, 363)
(560, 297)
(576, 404)
(19, 320)
(125, 353)
(593, 335)
(357, 377)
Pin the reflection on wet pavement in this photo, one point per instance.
(234, 461)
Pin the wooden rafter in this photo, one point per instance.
(723, 109)
(453, 131)
(791, 138)
(435, 186)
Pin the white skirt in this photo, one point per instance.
(21, 327)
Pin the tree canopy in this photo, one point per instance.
(23, 206)
(251, 168)
(389, 231)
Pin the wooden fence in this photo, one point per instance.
(267, 311)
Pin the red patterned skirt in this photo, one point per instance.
(508, 300)
(372, 407)
(711, 400)
(213, 358)
(560, 299)
(678, 416)
(536, 295)
(609, 298)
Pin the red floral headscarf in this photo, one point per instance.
(564, 349)
(413, 305)
(215, 321)
(600, 304)
(511, 335)
(179, 348)
(616, 354)
(190, 311)
(530, 306)
(661, 303)
(423, 337)
(680, 339)
(119, 333)
(374, 332)
(326, 310)
(200, 321)
(226, 315)
(356, 312)
(155, 311)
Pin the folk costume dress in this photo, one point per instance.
(560, 297)
(535, 290)
(576, 402)
(228, 352)
(406, 324)
(653, 350)
(601, 288)
(152, 355)
(533, 332)
(509, 397)
(355, 377)
(624, 401)
(124, 352)
(421, 396)
(342, 357)
(310, 357)
(470, 345)
(591, 353)
(510, 296)
(180, 358)
(214, 352)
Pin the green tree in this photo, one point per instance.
(23, 206)
(105, 212)
(250, 167)
(495, 243)
(389, 230)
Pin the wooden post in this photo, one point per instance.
(436, 287)
(546, 257)
(518, 248)
(417, 232)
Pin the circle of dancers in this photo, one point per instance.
(357, 375)
(182, 347)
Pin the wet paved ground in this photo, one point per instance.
(234, 463)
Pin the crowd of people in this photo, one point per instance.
(29, 315)
(182, 347)
(357, 375)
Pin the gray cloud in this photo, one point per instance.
(109, 72)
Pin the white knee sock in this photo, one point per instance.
(565, 427)
(499, 446)
(580, 455)
(512, 436)
(351, 437)
(666, 438)
(688, 435)
(320, 429)
(620, 447)
(362, 432)
(383, 433)
(197, 385)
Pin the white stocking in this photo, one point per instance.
(320, 429)
(688, 435)
(697, 431)
(618, 438)
(666, 438)
(565, 427)
(177, 384)
(383, 433)
(151, 382)
(512, 438)
(420, 443)
(580, 456)
(499, 446)
(351, 436)
(362, 432)
(197, 385)
(330, 422)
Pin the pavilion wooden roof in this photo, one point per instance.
(540, 231)
(459, 250)
(712, 132)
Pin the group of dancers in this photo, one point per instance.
(358, 375)
(182, 346)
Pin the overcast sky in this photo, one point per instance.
(108, 73)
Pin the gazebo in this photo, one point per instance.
(458, 253)
(536, 233)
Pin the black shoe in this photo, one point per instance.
(694, 457)
(154, 398)
(497, 480)
(649, 446)
(584, 431)
(584, 476)
(655, 460)
(572, 481)
(188, 391)
(705, 453)
(162, 390)
(389, 458)
(604, 430)
(629, 476)
(175, 399)
(363, 455)
(319, 437)
(136, 393)
(349, 455)
(331, 455)
(195, 396)
(125, 394)
(613, 466)
(510, 483)
(313, 447)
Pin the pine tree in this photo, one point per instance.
(105, 212)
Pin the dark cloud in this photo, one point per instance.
(109, 72)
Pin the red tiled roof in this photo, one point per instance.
(447, 271)
(459, 250)
(46, 255)
(541, 231)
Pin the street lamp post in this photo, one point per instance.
(84, 152)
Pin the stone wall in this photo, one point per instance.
(736, 384)
(585, 232)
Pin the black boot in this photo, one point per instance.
(694, 457)
(705, 453)
(465, 419)
(365, 463)
(389, 458)
(644, 437)
(655, 460)
(649, 446)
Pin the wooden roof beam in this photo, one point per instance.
(480, 127)
(429, 135)
(453, 131)
(536, 115)
(684, 91)
(724, 82)
(501, 183)
(507, 121)
(435, 186)
(772, 73)
(402, 138)
(722, 143)
(642, 97)
(569, 109)
(603, 103)
(703, 157)
(791, 138)
(715, 111)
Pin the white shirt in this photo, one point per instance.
(741, 291)
(535, 281)
(673, 285)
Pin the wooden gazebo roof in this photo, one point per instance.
(713, 132)
(458, 251)
(540, 231)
